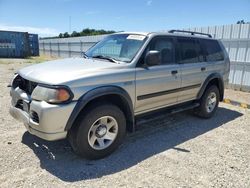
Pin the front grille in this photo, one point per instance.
(25, 85)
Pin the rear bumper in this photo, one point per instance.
(52, 118)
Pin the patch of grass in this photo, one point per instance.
(39, 59)
(5, 61)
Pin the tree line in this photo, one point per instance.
(242, 22)
(84, 32)
(89, 32)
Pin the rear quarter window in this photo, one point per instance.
(212, 50)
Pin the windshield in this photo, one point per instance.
(120, 47)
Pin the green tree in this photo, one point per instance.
(66, 35)
(241, 22)
(75, 34)
(84, 32)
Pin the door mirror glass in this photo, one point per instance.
(153, 57)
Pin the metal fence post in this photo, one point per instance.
(239, 31)
(44, 51)
(244, 65)
(69, 49)
(222, 34)
(215, 30)
(231, 31)
(58, 49)
(50, 49)
(81, 48)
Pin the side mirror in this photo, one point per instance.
(153, 57)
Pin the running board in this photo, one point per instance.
(184, 108)
(170, 110)
(161, 113)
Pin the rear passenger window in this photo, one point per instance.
(212, 49)
(189, 51)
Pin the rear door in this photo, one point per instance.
(194, 68)
(157, 86)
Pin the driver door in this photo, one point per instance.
(158, 86)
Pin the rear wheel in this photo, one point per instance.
(99, 132)
(208, 103)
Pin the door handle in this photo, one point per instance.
(174, 72)
(203, 68)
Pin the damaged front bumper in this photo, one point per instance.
(40, 118)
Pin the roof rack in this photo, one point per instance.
(191, 32)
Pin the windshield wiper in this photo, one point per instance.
(106, 57)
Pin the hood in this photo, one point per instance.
(64, 70)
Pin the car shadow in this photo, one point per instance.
(155, 135)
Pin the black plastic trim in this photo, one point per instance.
(98, 92)
(151, 95)
(176, 108)
(206, 82)
(191, 32)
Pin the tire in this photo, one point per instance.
(99, 132)
(203, 110)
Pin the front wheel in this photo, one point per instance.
(208, 103)
(99, 132)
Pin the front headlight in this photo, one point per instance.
(58, 94)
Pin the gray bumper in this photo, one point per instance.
(52, 118)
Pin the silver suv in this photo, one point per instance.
(94, 100)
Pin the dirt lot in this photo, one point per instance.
(167, 151)
(239, 96)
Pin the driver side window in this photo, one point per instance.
(165, 46)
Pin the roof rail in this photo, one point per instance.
(191, 32)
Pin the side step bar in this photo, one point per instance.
(185, 107)
(162, 112)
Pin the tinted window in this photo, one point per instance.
(189, 51)
(212, 49)
(166, 48)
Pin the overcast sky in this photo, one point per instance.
(50, 17)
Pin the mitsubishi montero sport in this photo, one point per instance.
(94, 100)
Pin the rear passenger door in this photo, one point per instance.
(194, 68)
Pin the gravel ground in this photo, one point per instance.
(167, 151)
(238, 96)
